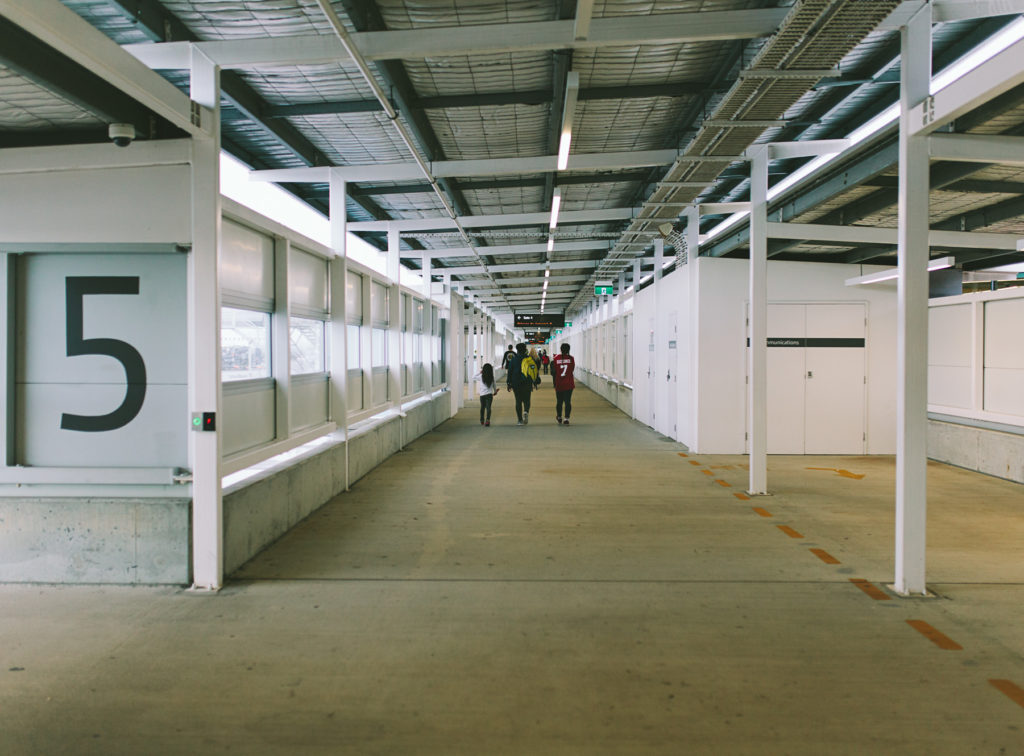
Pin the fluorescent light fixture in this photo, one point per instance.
(572, 89)
(938, 263)
(551, 243)
(547, 273)
(556, 203)
(563, 150)
(987, 50)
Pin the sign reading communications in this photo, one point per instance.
(538, 321)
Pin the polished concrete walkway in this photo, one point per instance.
(554, 590)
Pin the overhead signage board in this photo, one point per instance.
(602, 288)
(536, 321)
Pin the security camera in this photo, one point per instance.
(121, 134)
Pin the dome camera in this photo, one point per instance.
(121, 134)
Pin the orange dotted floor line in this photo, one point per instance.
(1009, 689)
(871, 589)
(825, 556)
(940, 639)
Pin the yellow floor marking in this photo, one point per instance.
(871, 589)
(722, 483)
(683, 455)
(789, 531)
(762, 511)
(707, 472)
(1009, 689)
(825, 556)
(841, 473)
(742, 496)
(694, 462)
(939, 639)
(722, 467)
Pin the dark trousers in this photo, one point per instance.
(485, 406)
(522, 392)
(563, 397)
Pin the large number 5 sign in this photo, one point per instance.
(77, 288)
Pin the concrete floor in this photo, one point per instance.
(552, 590)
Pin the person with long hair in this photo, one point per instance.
(486, 388)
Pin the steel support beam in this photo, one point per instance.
(757, 358)
(912, 314)
(204, 336)
(491, 39)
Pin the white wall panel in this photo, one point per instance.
(249, 416)
(139, 205)
(1004, 324)
(57, 379)
(308, 402)
(950, 348)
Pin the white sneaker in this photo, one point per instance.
(526, 418)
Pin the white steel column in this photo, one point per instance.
(637, 268)
(204, 334)
(280, 346)
(659, 257)
(692, 213)
(912, 315)
(395, 312)
(757, 368)
(6, 360)
(338, 353)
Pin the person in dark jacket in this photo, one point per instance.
(519, 384)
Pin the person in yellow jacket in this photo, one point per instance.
(523, 376)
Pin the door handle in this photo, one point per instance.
(810, 373)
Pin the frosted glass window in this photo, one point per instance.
(379, 347)
(379, 304)
(307, 283)
(308, 353)
(244, 344)
(354, 344)
(354, 298)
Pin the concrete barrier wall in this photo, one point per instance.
(260, 512)
(95, 540)
(981, 449)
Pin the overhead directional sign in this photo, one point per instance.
(602, 288)
(536, 321)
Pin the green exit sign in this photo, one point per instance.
(568, 324)
(603, 287)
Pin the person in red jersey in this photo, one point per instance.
(562, 367)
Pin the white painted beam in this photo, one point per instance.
(952, 10)
(811, 148)
(457, 41)
(66, 31)
(757, 365)
(483, 221)
(561, 265)
(499, 250)
(142, 154)
(883, 236)
(992, 78)
(912, 313)
(598, 161)
(977, 148)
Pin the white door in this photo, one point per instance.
(786, 357)
(670, 421)
(835, 382)
(816, 379)
(652, 392)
